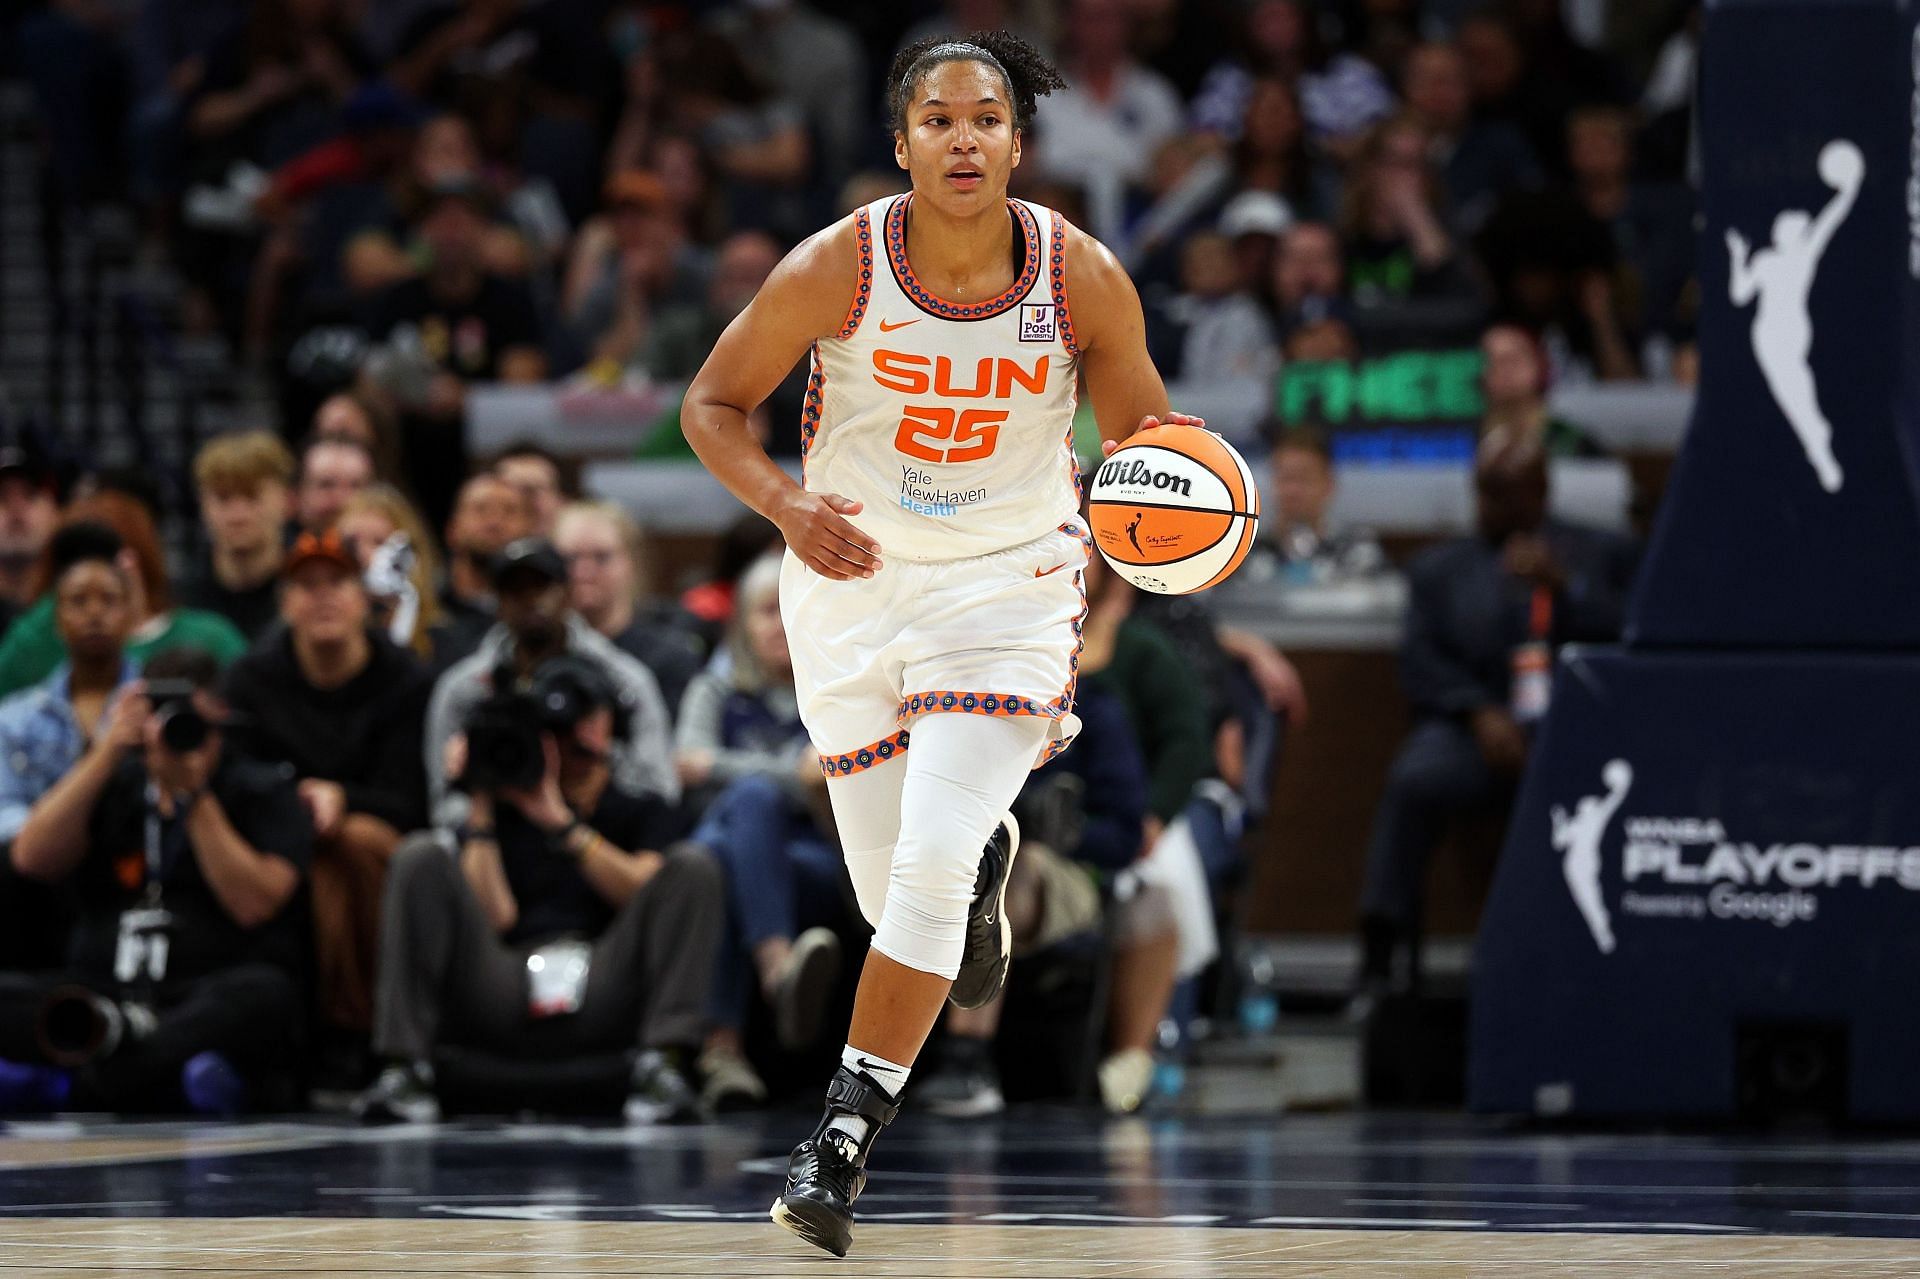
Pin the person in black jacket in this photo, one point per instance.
(558, 919)
(343, 706)
(1484, 614)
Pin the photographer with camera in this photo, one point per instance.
(546, 925)
(342, 705)
(537, 623)
(182, 979)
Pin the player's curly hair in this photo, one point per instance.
(1028, 74)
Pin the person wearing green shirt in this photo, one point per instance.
(32, 649)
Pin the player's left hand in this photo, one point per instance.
(1172, 419)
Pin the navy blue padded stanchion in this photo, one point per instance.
(1709, 901)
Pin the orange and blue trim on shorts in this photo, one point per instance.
(964, 702)
(866, 757)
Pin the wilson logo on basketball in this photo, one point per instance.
(1131, 473)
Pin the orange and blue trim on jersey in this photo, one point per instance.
(810, 407)
(1057, 278)
(924, 298)
(863, 291)
(866, 757)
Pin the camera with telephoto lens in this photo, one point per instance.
(504, 732)
(182, 727)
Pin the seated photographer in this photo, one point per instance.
(182, 982)
(1082, 817)
(342, 705)
(740, 735)
(536, 623)
(547, 924)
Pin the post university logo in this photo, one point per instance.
(1779, 276)
(1038, 322)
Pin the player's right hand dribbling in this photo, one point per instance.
(817, 531)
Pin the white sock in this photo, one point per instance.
(891, 1076)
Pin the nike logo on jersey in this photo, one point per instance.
(888, 328)
(1048, 572)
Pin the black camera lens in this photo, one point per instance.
(503, 744)
(182, 728)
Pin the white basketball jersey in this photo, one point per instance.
(951, 423)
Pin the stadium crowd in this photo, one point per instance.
(421, 765)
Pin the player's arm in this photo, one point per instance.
(1122, 384)
(807, 297)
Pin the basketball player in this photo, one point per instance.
(946, 329)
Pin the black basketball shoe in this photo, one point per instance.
(983, 964)
(828, 1170)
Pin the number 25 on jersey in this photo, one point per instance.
(937, 433)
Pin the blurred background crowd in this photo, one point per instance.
(267, 263)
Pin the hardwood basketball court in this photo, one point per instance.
(1042, 1192)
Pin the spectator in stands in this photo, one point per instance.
(398, 562)
(346, 416)
(1303, 545)
(1101, 131)
(741, 744)
(1651, 223)
(458, 323)
(1309, 276)
(1271, 152)
(1212, 331)
(814, 59)
(1479, 608)
(331, 472)
(1397, 241)
(32, 648)
(1514, 379)
(473, 50)
(1082, 817)
(489, 514)
(45, 729)
(342, 706)
(29, 509)
(537, 473)
(573, 856)
(1559, 73)
(536, 623)
(1478, 158)
(1340, 94)
(186, 861)
(754, 133)
(628, 264)
(275, 86)
(607, 586)
(679, 343)
(244, 482)
(376, 249)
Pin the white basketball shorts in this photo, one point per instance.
(995, 634)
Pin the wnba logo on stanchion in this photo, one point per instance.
(1579, 836)
(1780, 276)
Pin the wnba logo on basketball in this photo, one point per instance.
(1130, 473)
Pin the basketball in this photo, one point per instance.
(1175, 509)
